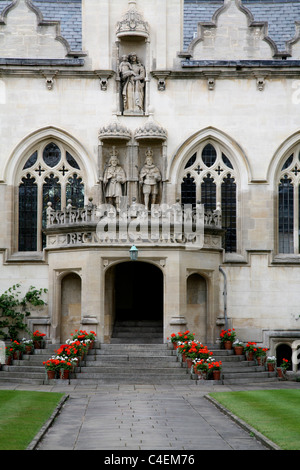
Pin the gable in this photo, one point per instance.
(24, 34)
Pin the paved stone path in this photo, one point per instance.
(145, 418)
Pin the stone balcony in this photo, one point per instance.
(163, 226)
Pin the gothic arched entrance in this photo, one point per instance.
(135, 299)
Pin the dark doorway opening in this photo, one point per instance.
(284, 351)
(138, 292)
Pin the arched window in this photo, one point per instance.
(209, 176)
(289, 204)
(50, 174)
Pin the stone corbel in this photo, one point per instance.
(161, 79)
(103, 76)
(260, 83)
(49, 79)
(211, 83)
(211, 79)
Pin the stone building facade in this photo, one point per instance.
(111, 109)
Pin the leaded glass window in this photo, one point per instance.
(51, 173)
(28, 214)
(209, 176)
(289, 204)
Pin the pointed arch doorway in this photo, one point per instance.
(135, 298)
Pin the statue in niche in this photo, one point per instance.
(149, 178)
(113, 180)
(132, 74)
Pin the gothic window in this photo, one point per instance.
(209, 176)
(289, 204)
(50, 174)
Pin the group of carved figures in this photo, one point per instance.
(114, 179)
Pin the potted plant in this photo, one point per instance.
(193, 352)
(271, 360)
(249, 348)
(228, 337)
(238, 347)
(201, 369)
(260, 355)
(18, 349)
(215, 367)
(281, 371)
(181, 337)
(28, 343)
(182, 348)
(37, 337)
(51, 366)
(82, 335)
(8, 355)
(64, 369)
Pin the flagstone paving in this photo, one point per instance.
(145, 417)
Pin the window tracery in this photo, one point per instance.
(50, 174)
(289, 204)
(209, 176)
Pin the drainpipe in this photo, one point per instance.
(225, 297)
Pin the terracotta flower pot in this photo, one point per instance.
(238, 350)
(8, 360)
(183, 357)
(202, 374)
(28, 349)
(37, 344)
(270, 366)
(216, 374)
(280, 372)
(250, 355)
(189, 362)
(64, 374)
(228, 345)
(51, 374)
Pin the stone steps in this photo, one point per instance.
(140, 363)
(136, 332)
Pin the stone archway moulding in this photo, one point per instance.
(280, 155)
(12, 166)
(235, 152)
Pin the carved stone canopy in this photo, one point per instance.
(133, 23)
(150, 130)
(114, 130)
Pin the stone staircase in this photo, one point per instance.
(136, 355)
(137, 332)
(134, 363)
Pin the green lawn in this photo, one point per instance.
(22, 414)
(274, 413)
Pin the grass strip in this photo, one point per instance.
(22, 414)
(274, 413)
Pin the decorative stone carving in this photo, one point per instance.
(260, 83)
(114, 130)
(113, 180)
(149, 177)
(132, 75)
(151, 130)
(132, 23)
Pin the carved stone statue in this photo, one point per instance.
(132, 74)
(149, 178)
(113, 180)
